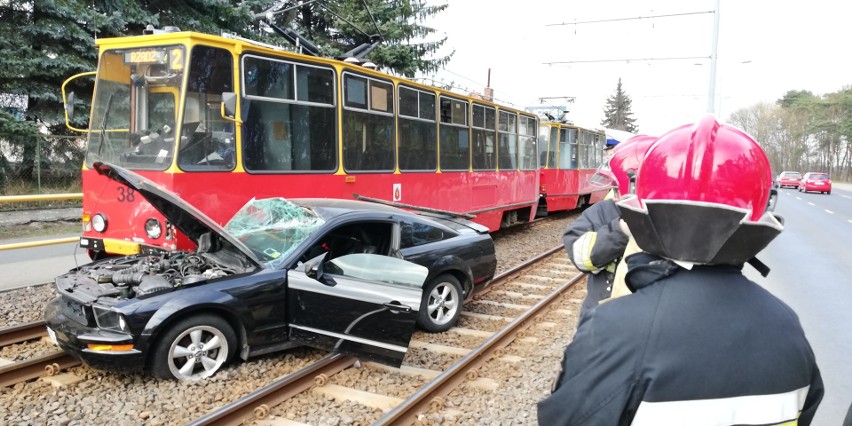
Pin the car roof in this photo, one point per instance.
(329, 208)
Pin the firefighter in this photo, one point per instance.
(697, 342)
(595, 241)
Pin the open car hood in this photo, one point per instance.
(186, 218)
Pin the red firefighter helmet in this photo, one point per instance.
(701, 196)
(626, 159)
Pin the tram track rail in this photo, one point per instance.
(261, 403)
(22, 333)
(47, 364)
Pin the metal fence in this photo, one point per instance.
(40, 164)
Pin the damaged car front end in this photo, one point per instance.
(241, 292)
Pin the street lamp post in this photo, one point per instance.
(711, 90)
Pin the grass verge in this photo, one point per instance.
(41, 229)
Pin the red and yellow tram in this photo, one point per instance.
(220, 120)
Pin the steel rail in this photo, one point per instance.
(43, 365)
(258, 403)
(431, 395)
(22, 333)
(515, 271)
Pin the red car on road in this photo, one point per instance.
(813, 181)
(790, 179)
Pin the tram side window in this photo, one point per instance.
(599, 142)
(484, 138)
(526, 143)
(207, 141)
(568, 149)
(290, 124)
(368, 125)
(418, 131)
(508, 144)
(552, 142)
(584, 143)
(455, 135)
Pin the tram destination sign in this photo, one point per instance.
(145, 56)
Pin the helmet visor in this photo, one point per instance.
(603, 178)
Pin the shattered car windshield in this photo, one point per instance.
(273, 227)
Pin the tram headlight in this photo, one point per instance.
(99, 222)
(153, 228)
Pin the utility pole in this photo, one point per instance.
(711, 90)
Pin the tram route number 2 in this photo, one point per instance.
(126, 195)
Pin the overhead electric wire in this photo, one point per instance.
(600, 21)
(592, 61)
(369, 12)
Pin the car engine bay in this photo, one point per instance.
(142, 275)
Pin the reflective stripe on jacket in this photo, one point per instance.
(594, 243)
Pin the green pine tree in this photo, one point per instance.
(617, 114)
(337, 26)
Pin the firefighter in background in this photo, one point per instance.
(697, 342)
(595, 241)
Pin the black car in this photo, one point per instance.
(339, 275)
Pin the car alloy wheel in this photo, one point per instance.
(441, 305)
(194, 349)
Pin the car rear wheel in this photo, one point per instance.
(193, 349)
(441, 306)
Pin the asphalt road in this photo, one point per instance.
(810, 272)
(38, 265)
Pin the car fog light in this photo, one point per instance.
(99, 222)
(153, 228)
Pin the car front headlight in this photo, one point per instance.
(99, 222)
(153, 228)
(108, 319)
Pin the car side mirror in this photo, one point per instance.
(314, 267)
(773, 199)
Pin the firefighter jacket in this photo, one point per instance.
(704, 346)
(595, 243)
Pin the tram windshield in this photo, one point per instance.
(133, 119)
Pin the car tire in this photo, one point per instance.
(176, 355)
(441, 306)
(828, 193)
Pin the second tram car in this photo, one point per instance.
(568, 157)
(220, 120)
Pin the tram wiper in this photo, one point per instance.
(107, 110)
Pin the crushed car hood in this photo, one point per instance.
(186, 218)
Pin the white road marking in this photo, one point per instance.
(798, 198)
(810, 203)
(845, 196)
(850, 220)
(829, 211)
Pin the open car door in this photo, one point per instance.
(359, 304)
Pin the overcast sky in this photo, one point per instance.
(765, 49)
